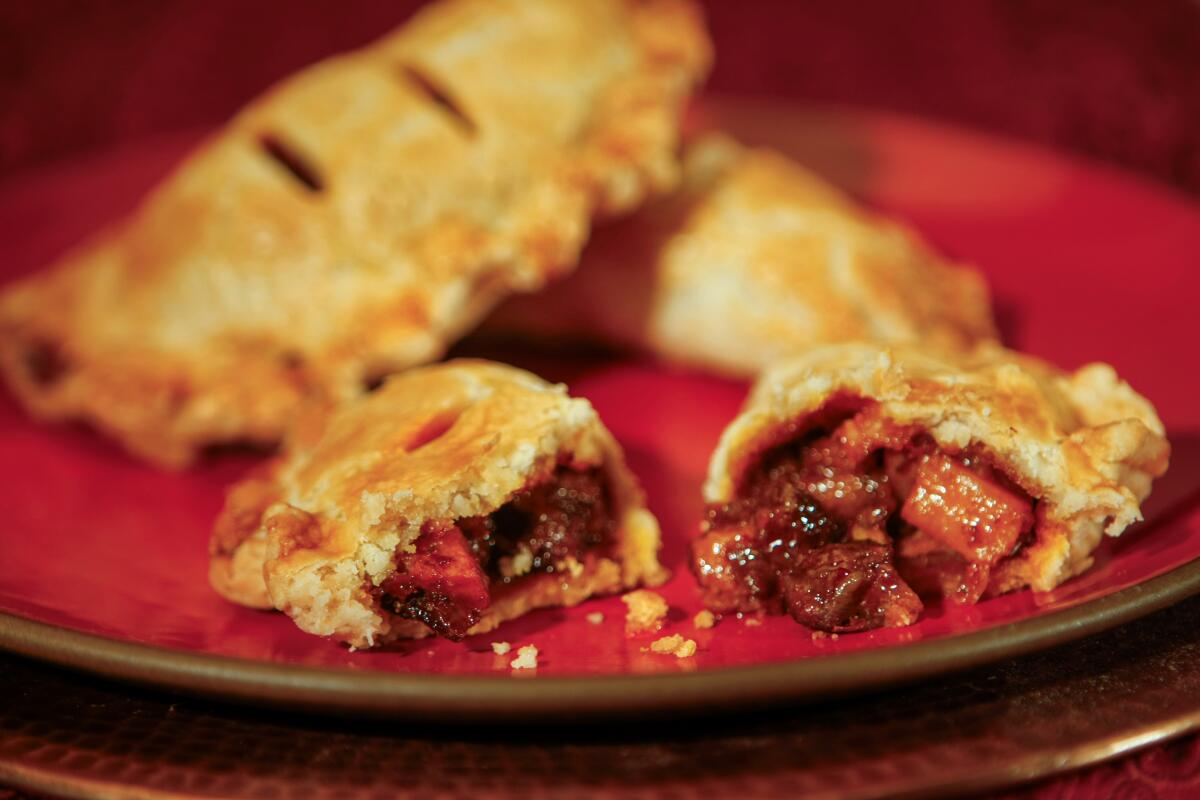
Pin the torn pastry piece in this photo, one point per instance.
(861, 481)
(356, 219)
(453, 498)
(754, 259)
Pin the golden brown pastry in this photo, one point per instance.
(454, 498)
(755, 259)
(860, 478)
(356, 219)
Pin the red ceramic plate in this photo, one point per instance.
(103, 560)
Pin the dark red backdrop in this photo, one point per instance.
(1110, 78)
(1115, 80)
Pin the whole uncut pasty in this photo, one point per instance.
(755, 259)
(356, 219)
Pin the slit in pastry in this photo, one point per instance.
(420, 79)
(292, 162)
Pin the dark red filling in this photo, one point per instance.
(447, 583)
(441, 584)
(846, 528)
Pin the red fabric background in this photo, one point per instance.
(1113, 80)
(1166, 772)
(1170, 772)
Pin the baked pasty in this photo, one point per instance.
(754, 259)
(860, 478)
(453, 498)
(356, 219)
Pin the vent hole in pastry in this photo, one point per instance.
(434, 429)
(45, 363)
(292, 162)
(430, 88)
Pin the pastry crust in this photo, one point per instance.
(753, 260)
(1083, 445)
(357, 218)
(434, 444)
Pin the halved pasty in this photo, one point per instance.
(753, 260)
(356, 219)
(453, 498)
(860, 478)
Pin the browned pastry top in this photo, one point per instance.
(357, 218)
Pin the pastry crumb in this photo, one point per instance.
(500, 648)
(818, 635)
(527, 657)
(704, 619)
(674, 645)
(645, 612)
(752, 622)
(595, 618)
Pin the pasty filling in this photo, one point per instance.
(457, 567)
(848, 526)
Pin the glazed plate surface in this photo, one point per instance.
(103, 561)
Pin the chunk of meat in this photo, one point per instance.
(935, 571)
(732, 572)
(543, 526)
(441, 584)
(778, 506)
(972, 515)
(447, 583)
(749, 541)
(844, 470)
(851, 586)
(817, 528)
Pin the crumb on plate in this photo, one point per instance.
(527, 657)
(595, 617)
(646, 611)
(500, 648)
(674, 645)
(752, 622)
(704, 619)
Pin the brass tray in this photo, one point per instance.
(71, 735)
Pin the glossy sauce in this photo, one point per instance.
(446, 583)
(847, 530)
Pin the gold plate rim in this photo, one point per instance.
(503, 698)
